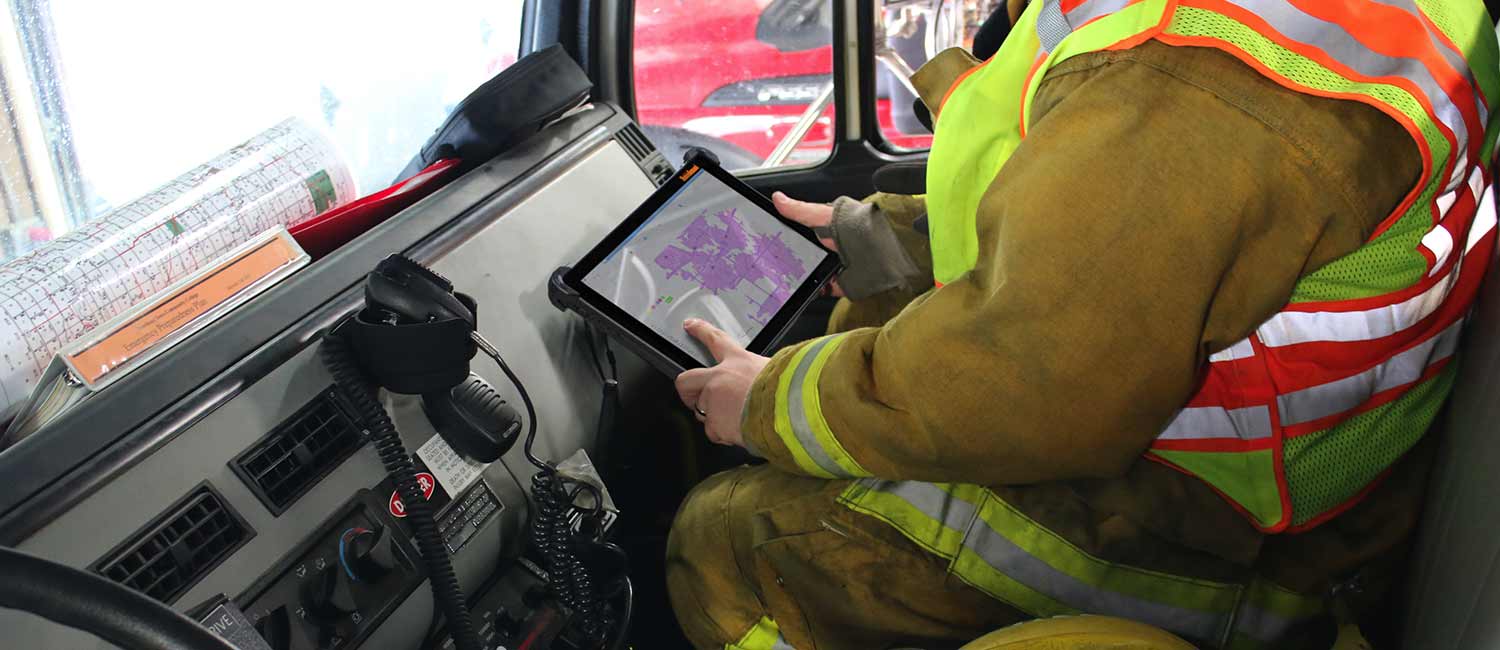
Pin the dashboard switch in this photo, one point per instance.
(365, 554)
(326, 598)
(276, 629)
(509, 626)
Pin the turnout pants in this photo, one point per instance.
(761, 559)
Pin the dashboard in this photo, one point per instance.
(228, 480)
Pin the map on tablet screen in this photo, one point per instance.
(707, 253)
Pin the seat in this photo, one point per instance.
(1453, 594)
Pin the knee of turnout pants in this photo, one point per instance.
(760, 559)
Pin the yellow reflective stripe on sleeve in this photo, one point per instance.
(813, 406)
(799, 414)
(764, 635)
(784, 422)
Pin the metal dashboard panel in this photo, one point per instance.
(502, 253)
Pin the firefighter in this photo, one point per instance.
(1185, 306)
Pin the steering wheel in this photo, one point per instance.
(90, 603)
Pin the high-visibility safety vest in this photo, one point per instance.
(1298, 421)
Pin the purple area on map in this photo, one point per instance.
(719, 258)
(674, 261)
(697, 234)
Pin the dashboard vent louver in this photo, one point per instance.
(299, 452)
(169, 555)
(635, 143)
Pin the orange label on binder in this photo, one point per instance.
(181, 308)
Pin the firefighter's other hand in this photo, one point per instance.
(812, 215)
(717, 395)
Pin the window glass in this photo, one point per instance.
(750, 80)
(105, 101)
(907, 33)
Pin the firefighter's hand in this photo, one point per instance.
(812, 215)
(717, 395)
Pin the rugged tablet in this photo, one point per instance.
(706, 246)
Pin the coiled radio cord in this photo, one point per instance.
(360, 394)
(551, 530)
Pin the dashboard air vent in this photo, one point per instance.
(299, 452)
(179, 547)
(635, 142)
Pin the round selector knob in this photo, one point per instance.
(329, 604)
(326, 598)
(364, 553)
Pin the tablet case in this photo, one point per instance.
(566, 298)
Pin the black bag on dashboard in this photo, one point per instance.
(505, 110)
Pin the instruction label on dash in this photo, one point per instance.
(454, 472)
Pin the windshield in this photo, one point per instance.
(144, 139)
(109, 100)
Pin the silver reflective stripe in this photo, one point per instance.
(1343, 47)
(932, 501)
(1348, 393)
(1460, 166)
(1293, 327)
(781, 643)
(1484, 219)
(1051, 27)
(1439, 241)
(1005, 557)
(1203, 422)
(1092, 9)
(1454, 59)
(796, 411)
(1241, 350)
(1262, 625)
(1476, 183)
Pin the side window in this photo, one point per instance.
(750, 80)
(907, 34)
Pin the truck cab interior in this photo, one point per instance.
(241, 487)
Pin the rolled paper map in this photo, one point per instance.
(54, 294)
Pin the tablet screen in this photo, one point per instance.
(707, 253)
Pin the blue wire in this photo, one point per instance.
(344, 562)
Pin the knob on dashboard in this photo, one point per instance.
(275, 629)
(326, 598)
(508, 625)
(329, 604)
(365, 553)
